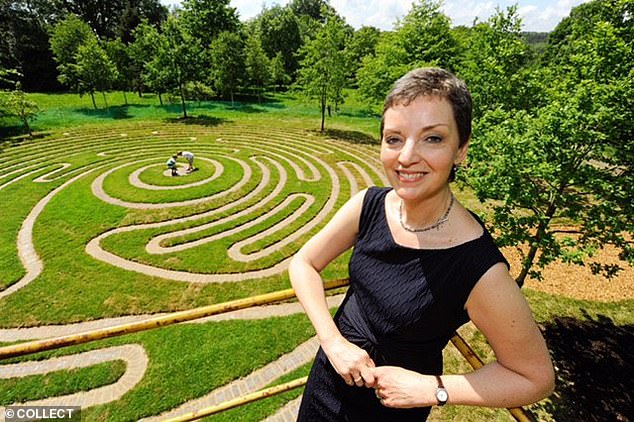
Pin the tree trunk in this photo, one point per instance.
(535, 245)
(323, 112)
(125, 98)
(27, 126)
(160, 98)
(105, 101)
(92, 96)
(183, 101)
(527, 264)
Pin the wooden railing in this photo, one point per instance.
(35, 346)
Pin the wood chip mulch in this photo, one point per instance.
(578, 282)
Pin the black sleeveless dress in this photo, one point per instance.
(402, 307)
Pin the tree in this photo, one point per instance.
(318, 10)
(134, 13)
(24, 43)
(177, 60)
(323, 70)
(15, 104)
(494, 64)
(101, 16)
(113, 18)
(257, 64)
(422, 38)
(94, 69)
(206, 19)
(142, 51)
(279, 32)
(279, 77)
(227, 55)
(311, 15)
(68, 35)
(560, 172)
(362, 43)
(119, 54)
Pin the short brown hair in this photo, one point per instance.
(435, 82)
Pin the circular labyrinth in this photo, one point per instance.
(97, 227)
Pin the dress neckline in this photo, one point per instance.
(390, 235)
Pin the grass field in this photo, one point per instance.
(117, 237)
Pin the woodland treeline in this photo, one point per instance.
(552, 142)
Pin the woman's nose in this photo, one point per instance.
(409, 154)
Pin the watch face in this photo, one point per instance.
(441, 395)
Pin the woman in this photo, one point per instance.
(422, 266)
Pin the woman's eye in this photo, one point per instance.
(433, 139)
(391, 140)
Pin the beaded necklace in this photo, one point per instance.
(442, 220)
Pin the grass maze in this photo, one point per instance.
(96, 232)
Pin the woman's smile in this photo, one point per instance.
(409, 176)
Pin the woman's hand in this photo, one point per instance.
(350, 361)
(398, 387)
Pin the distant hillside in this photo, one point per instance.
(535, 38)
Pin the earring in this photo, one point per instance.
(452, 175)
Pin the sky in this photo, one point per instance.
(537, 15)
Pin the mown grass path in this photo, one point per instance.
(102, 232)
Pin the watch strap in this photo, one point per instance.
(440, 388)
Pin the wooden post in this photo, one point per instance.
(239, 401)
(474, 360)
(153, 322)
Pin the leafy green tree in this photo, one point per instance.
(560, 172)
(112, 18)
(311, 15)
(24, 43)
(15, 104)
(257, 64)
(142, 51)
(101, 16)
(280, 34)
(494, 64)
(422, 38)
(362, 43)
(279, 77)
(119, 54)
(94, 69)
(67, 36)
(322, 74)
(135, 12)
(318, 10)
(177, 60)
(227, 55)
(206, 19)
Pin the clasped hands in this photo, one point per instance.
(394, 386)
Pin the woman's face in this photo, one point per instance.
(419, 146)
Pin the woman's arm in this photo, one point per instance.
(339, 235)
(521, 374)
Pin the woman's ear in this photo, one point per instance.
(462, 152)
